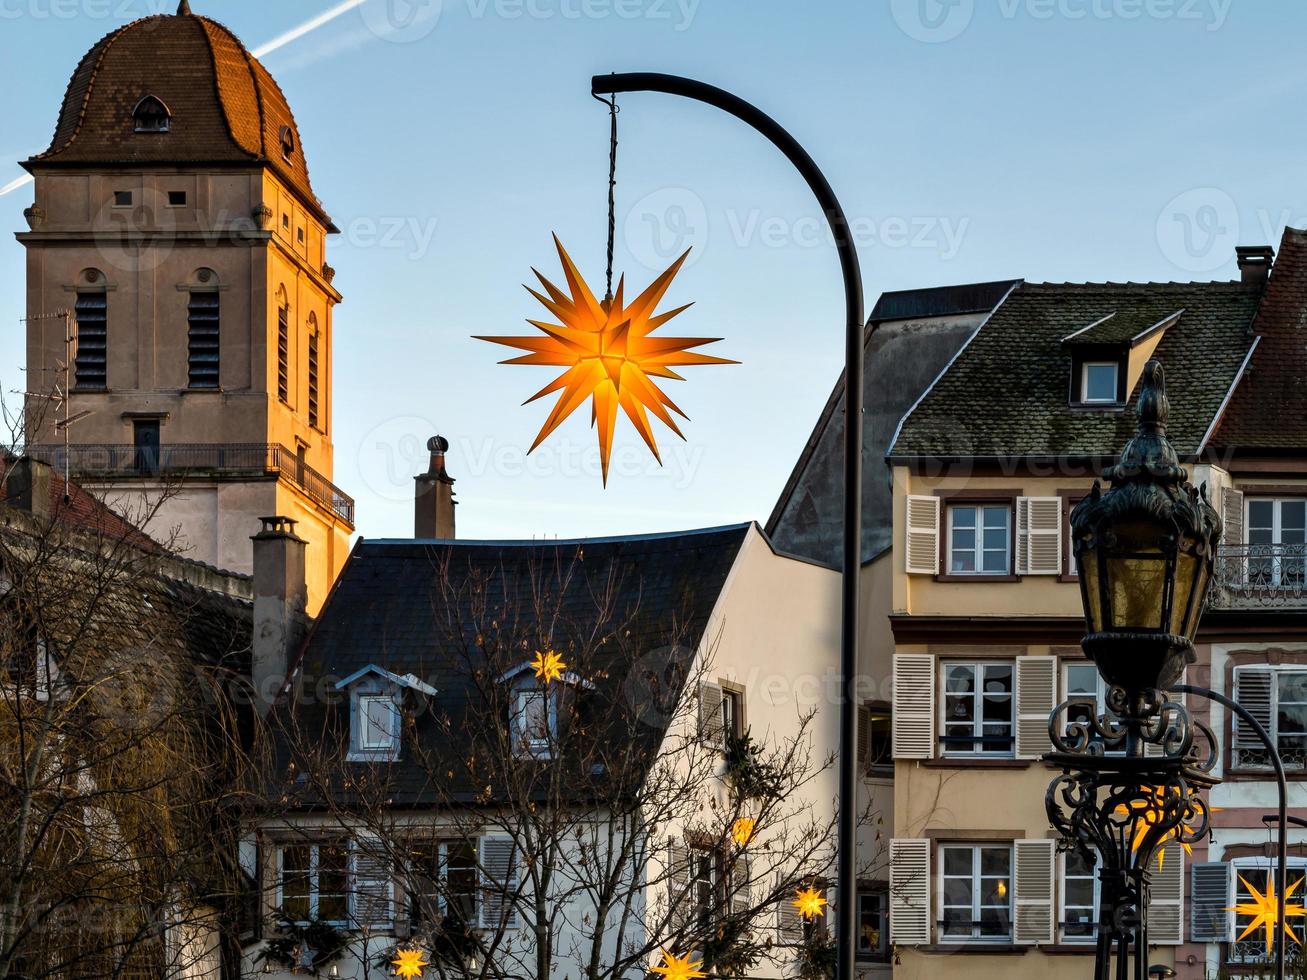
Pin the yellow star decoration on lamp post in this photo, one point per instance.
(610, 355)
(1265, 910)
(548, 666)
(408, 963)
(679, 968)
(809, 903)
(1151, 813)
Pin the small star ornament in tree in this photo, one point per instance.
(610, 354)
(676, 967)
(408, 963)
(548, 666)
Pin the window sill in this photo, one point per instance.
(1069, 949)
(1266, 775)
(952, 577)
(216, 390)
(978, 949)
(961, 762)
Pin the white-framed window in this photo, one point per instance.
(1259, 872)
(975, 892)
(535, 720)
(979, 539)
(732, 713)
(1081, 679)
(1277, 697)
(378, 720)
(1099, 382)
(442, 882)
(977, 705)
(1276, 530)
(313, 881)
(705, 884)
(1078, 915)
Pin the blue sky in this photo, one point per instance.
(1056, 140)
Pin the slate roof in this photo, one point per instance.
(226, 109)
(1126, 327)
(1006, 394)
(1269, 408)
(455, 613)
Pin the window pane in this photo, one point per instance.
(295, 881)
(960, 679)
(333, 862)
(957, 861)
(1082, 679)
(995, 861)
(963, 517)
(957, 891)
(1100, 382)
(1261, 516)
(998, 679)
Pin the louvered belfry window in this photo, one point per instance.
(283, 354)
(313, 379)
(90, 369)
(203, 356)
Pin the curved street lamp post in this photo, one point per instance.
(616, 84)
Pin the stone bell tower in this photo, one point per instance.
(174, 219)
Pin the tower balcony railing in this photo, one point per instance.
(1249, 575)
(196, 460)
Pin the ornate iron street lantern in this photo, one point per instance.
(1132, 775)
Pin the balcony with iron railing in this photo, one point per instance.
(1260, 575)
(197, 461)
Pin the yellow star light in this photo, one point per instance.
(742, 830)
(1265, 910)
(408, 963)
(610, 354)
(548, 666)
(809, 903)
(1151, 813)
(679, 968)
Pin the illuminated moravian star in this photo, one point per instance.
(610, 353)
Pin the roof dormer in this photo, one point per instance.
(539, 707)
(1108, 355)
(376, 711)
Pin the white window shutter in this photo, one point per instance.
(914, 705)
(1232, 516)
(1033, 891)
(1039, 536)
(711, 726)
(1210, 897)
(1254, 688)
(789, 923)
(498, 873)
(909, 890)
(372, 884)
(741, 885)
(1036, 698)
(1166, 898)
(921, 547)
(678, 882)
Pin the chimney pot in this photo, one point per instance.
(433, 502)
(1255, 262)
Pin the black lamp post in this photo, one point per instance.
(1144, 551)
(846, 920)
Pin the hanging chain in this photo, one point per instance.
(613, 110)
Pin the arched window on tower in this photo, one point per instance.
(283, 347)
(203, 321)
(314, 415)
(152, 116)
(287, 137)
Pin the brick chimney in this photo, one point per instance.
(1254, 262)
(433, 503)
(280, 598)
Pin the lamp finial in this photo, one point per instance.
(1154, 409)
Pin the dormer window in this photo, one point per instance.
(376, 711)
(1099, 382)
(537, 711)
(151, 116)
(287, 142)
(535, 721)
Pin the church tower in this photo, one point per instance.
(175, 222)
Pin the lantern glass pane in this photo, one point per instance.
(1186, 575)
(1136, 587)
(1203, 574)
(1088, 567)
